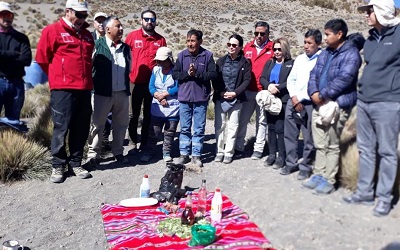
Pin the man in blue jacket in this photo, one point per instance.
(378, 108)
(194, 69)
(333, 79)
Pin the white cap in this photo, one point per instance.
(163, 53)
(385, 11)
(99, 14)
(5, 7)
(78, 5)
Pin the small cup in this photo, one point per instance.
(12, 245)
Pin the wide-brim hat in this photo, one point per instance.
(385, 11)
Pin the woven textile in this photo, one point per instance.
(135, 228)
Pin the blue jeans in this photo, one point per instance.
(189, 111)
(12, 96)
(377, 133)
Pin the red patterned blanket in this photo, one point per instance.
(135, 228)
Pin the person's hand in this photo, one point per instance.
(273, 88)
(315, 98)
(296, 104)
(164, 103)
(229, 95)
(192, 70)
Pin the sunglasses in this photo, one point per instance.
(151, 19)
(233, 45)
(369, 11)
(277, 49)
(259, 33)
(80, 15)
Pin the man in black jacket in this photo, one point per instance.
(15, 54)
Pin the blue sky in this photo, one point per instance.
(397, 2)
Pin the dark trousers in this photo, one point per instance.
(71, 111)
(276, 142)
(12, 96)
(140, 94)
(155, 130)
(292, 131)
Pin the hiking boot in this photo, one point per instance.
(167, 157)
(146, 157)
(57, 175)
(270, 160)
(182, 160)
(324, 187)
(279, 164)
(238, 154)
(256, 155)
(357, 199)
(382, 208)
(227, 160)
(303, 174)
(105, 145)
(121, 159)
(91, 162)
(197, 162)
(81, 172)
(219, 158)
(313, 182)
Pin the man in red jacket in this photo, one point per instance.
(64, 52)
(144, 44)
(258, 51)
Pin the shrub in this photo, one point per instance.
(35, 99)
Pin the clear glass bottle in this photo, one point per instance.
(202, 198)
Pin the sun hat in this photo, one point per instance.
(385, 11)
(78, 5)
(100, 14)
(5, 7)
(163, 53)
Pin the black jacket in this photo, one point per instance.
(15, 54)
(242, 80)
(287, 66)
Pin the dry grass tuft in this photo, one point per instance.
(41, 129)
(21, 158)
(35, 99)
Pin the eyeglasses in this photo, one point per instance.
(80, 15)
(277, 49)
(234, 45)
(259, 33)
(369, 11)
(151, 19)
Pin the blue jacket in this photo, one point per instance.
(341, 77)
(194, 88)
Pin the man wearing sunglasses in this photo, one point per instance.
(15, 54)
(144, 44)
(258, 51)
(64, 52)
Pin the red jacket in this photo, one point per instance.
(66, 56)
(144, 50)
(257, 62)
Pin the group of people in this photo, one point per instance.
(313, 94)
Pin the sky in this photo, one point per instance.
(397, 3)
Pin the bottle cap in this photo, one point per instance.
(217, 190)
(145, 176)
(203, 181)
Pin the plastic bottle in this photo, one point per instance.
(216, 206)
(145, 187)
(187, 217)
(202, 198)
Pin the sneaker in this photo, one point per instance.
(312, 182)
(270, 160)
(227, 160)
(279, 164)
(121, 159)
(324, 187)
(382, 208)
(357, 199)
(197, 161)
(256, 155)
(57, 175)
(81, 172)
(303, 174)
(167, 157)
(219, 158)
(146, 157)
(105, 145)
(238, 154)
(183, 159)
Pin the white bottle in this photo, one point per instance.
(216, 206)
(145, 187)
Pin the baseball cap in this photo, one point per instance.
(5, 7)
(164, 53)
(78, 5)
(100, 14)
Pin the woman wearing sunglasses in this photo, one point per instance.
(234, 75)
(274, 79)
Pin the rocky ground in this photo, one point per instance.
(42, 215)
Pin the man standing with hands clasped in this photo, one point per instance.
(378, 108)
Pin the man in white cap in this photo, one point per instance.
(378, 108)
(99, 29)
(15, 54)
(64, 52)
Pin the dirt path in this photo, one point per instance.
(42, 215)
